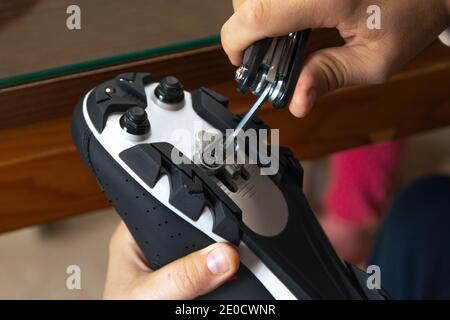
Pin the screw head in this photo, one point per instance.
(135, 121)
(170, 90)
(110, 90)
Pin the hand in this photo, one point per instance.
(129, 277)
(368, 57)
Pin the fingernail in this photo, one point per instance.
(217, 262)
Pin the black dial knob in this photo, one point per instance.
(170, 90)
(135, 121)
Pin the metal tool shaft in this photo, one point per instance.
(249, 115)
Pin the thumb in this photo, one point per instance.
(193, 275)
(332, 68)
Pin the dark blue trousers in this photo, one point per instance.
(413, 245)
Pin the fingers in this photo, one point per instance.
(124, 251)
(333, 68)
(125, 264)
(129, 277)
(258, 19)
(191, 276)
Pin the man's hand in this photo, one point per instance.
(369, 56)
(129, 277)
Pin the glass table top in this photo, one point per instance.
(41, 38)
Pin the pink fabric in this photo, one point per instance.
(361, 181)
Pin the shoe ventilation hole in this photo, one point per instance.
(148, 210)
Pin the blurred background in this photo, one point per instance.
(36, 45)
(34, 36)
